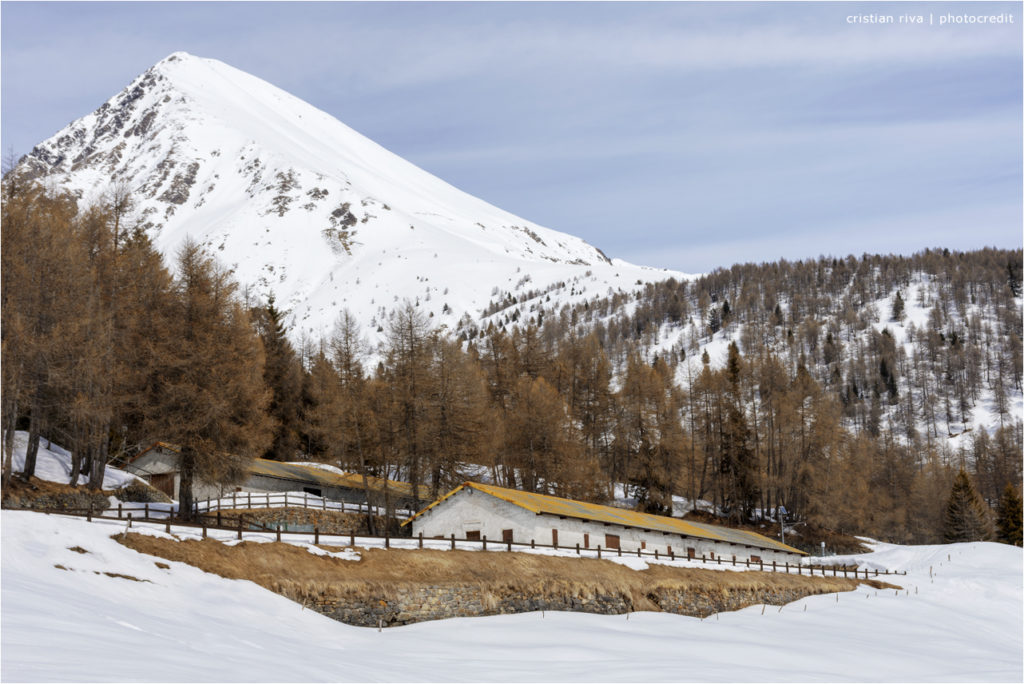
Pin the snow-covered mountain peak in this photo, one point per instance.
(304, 207)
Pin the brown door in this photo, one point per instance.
(506, 536)
(643, 545)
(691, 552)
(586, 540)
(611, 541)
(473, 535)
(554, 537)
(164, 482)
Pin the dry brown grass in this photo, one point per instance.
(304, 577)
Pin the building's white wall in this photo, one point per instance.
(472, 510)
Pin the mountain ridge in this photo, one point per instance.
(304, 208)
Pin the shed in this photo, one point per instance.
(473, 511)
(159, 465)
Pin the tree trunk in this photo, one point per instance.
(10, 423)
(188, 471)
(98, 467)
(32, 450)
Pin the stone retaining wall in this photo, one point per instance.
(329, 522)
(436, 602)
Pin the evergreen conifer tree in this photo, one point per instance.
(1008, 521)
(966, 517)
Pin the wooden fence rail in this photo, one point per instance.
(127, 516)
(260, 501)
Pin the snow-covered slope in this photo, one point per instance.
(303, 206)
(53, 463)
(64, 619)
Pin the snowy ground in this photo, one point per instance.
(53, 463)
(180, 624)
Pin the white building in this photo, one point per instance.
(160, 466)
(473, 511)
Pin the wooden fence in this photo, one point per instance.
(483, 544)
(256, 501)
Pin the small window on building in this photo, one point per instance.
(554, 537)
(691, 552)
(506, 536)
(473, 535)
(643, 545)
(586, 540)
(611, 541)
(711, 554)
(755, 559)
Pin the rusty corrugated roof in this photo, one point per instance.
(553, 505)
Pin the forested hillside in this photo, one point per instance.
(850, 391)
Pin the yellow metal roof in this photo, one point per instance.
(553, 505)
(308, 473)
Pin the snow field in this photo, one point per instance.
(180, 624)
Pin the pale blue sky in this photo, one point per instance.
(683, 135)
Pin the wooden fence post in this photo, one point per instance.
(118, 510)
(619, 549)
(532, 544)
(167, 526)
(421, 540)
(485, 542)
(145, 511)
(762, 565)
(787, 567)
(387, 539)
(774, 568)
(218, 517)
(305, 499)
(249, 497)
(239, 525)
(129, 519)
(638, 552)
(278, 531)
(734, 560)
(577, 548)
(316, 536)
(352, 539)
(88, 513)
(453, 541)
(204, 530)
(599, 552)
(234, 500)
(672, 554)
(655, 554)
